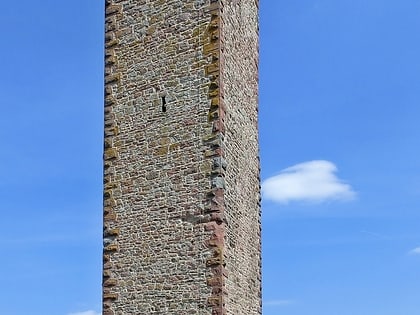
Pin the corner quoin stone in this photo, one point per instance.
(182, 221)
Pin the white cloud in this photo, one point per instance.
(85, 313)
(279, 302)
(415, 251)
(313, 181)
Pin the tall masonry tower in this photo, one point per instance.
(181, 167)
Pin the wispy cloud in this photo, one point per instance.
(279, 302)
(85, 313)
(313, 181)
(415, 251)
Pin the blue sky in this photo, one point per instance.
(339, 95)
(339, 108)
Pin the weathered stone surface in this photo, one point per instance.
(239, 77)
(181, 169)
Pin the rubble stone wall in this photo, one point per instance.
(169, 209)
(239, 77)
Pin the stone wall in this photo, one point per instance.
(180, 235)
(239, 77)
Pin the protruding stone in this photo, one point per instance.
(112, 78)
(111, 248)
(219, 163)
(110, 153)
(110, 282)
(218, 182)
(110, 296)
(113, 9)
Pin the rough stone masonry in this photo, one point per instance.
(181, 168)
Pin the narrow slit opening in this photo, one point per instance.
(163, 104)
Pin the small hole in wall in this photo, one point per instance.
(163, 104)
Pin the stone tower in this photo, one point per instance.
(181, 167)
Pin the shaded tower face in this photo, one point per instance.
(181, 167)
